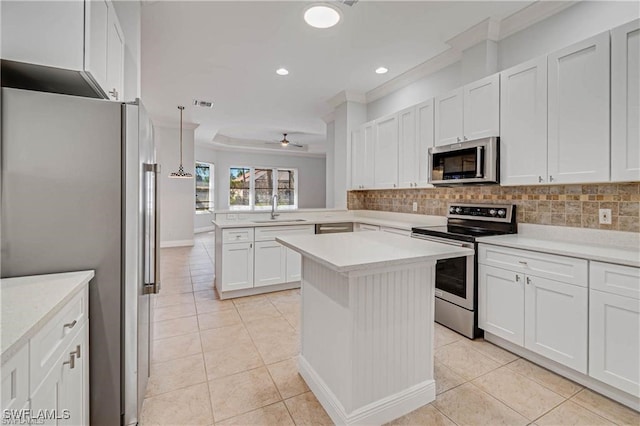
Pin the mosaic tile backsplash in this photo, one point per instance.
(562, 205)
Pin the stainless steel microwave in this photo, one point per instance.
(469, 162)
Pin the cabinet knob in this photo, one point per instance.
(528, 280)
(466, 138)
(550, 178)
(71, 362)
(540, 180)
(458, 139)
(394, 185)
(517, 278)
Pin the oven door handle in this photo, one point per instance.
(443, 241)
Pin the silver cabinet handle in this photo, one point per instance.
(415, 184)
(540, 180)
(458, 139)
(517, 278)
(522, 262)
(528, 280)
(71, 362)
(114, 93)
(71, 324)
(251, 245)
(76, 352)
(466, 138)
(394, 185)
(550, 178)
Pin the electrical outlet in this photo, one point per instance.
(415, 206)
(605, 216)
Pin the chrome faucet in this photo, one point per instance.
(274, 203)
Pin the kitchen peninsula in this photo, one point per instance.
(367, 322)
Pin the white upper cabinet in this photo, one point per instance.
(449, 127)
(625, 102)
(424, 137)
(72, 35)
(362, 141)
(482, 108)
(523, 123)
(407, 149)
(579, 112)
(385, 157)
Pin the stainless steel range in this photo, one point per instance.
(457, 278)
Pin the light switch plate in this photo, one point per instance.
(605, 216)
(415, 206)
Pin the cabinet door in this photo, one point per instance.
(369, 132)
(556, 321)
(579, 112)
(96, 35)
(385, 157)
(48, 395)
(270, 260)
(614, 340)
(523, 123)
(407, 149)
(237, 270)
(448, 118)
(294, 265)
(625, 102)
(424, 136)
(115, 58)
(358, 156)
(14, 393)
(481, 101)
(501, 303)
(74, 383)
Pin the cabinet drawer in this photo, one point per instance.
(269, 233)
(367, 227)
(560, 268)
(616, 279)
(237, 235)
(47, 345)
(15, 380)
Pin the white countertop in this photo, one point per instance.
(403, 221)
(29, 302)
(592, 251)
(353, 251)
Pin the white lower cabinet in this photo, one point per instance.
(269, 263)
(294, 265)
(522, 305)
(237, 273)
(614, 326)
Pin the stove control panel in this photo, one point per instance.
(489, 212)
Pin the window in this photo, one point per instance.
(204, 187)
(253, 188)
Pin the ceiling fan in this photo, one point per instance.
(285, 142)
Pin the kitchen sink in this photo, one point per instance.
(279, 220)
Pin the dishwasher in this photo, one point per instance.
(334, 228)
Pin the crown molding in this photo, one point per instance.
(347, 96)
(532, 14)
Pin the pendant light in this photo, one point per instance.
(181, 173)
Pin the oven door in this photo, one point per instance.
(455, 276)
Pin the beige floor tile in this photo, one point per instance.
(285, 296)
(287, 379)
(465, 362)
(426, 415)
(287, 307)
(250, 299)
(546, 378)
(175, 374)
(187, 406)
(571, 414)
(445, 378)
(223, 336)
(497, 354)
(525, 396)
(607, 408)
(468, 405)
(278, 347)
(212, 305)
(173, 299)
(203, 286)
(175, 327)
(262, 310)
(444, 336)
(206, 295)
(275, 414)
(175, 275)
(217, 319)
(231, 359)
(264, 328)
(306, 410)
(241, 393)
(175, 311)
(176, 347)
(176, 289)
(295, 320)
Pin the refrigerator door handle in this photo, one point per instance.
(151, 239)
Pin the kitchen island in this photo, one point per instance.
(367, 322)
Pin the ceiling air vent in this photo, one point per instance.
(203, 104)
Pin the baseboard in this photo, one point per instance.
(204, 229)
(377, 413)
(256, 290)
(176, 243)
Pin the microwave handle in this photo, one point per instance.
(479, 168)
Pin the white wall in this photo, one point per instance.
(311, 174)
(177, 196)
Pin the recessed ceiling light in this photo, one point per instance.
(322, 16)
(381, 70)
(282, 71)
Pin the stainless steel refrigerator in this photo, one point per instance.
(79, 192)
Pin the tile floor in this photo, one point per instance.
(233, 363)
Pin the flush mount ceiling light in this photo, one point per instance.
(381, 70)
(322, 16)
(282, 71)
(181, 173)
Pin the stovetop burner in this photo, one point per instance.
(467, 222)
